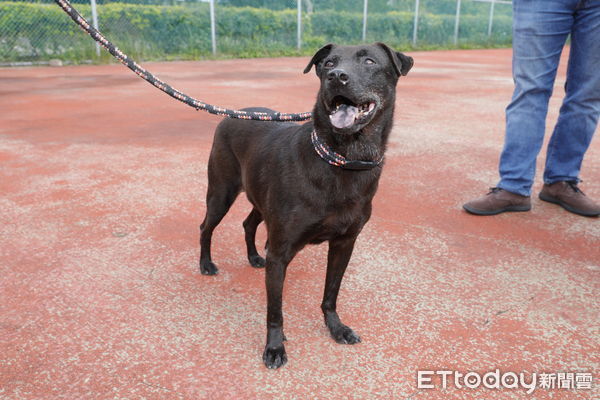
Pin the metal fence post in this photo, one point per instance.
(299, 24)
(213, 30)
(491, 17)
(416, 23)
(364, 31)
(457, 22)
(95, 23)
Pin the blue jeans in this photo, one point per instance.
(540, 30)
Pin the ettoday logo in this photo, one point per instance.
(505, 380)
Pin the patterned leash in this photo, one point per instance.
(176, 94)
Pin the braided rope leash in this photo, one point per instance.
(176, 94)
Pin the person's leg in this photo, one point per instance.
(579, 113)
(578, 119)
(540, 29)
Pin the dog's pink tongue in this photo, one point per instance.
(344, 116)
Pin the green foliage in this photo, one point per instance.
(39, 31)
(268, 4)
(253, 29)
(36, 31)
(438, 7)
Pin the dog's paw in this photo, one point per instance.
(274, 357)
(208, 268)
(344, 335)
(257, 261)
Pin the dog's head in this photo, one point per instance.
(357, 83)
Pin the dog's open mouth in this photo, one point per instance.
(346, 113)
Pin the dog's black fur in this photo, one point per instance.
(301, 198)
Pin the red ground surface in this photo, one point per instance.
(102, 182)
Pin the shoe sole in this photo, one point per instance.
(554, 200)
(495, 212)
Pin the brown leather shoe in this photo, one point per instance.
(570, 197)
(498, 201)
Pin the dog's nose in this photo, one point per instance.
(338, 74)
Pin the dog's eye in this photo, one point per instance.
(369, 61)
(328, 64)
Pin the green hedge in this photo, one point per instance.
(30, 31)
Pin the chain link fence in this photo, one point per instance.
(39, 31)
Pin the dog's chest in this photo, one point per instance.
(339, 221)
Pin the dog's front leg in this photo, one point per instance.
(274, 355)
(340, 250)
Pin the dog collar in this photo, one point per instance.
(338, 160)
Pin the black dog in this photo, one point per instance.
(310, 183)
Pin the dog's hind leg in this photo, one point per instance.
(222, 192)
(340, 251)
(250, 225)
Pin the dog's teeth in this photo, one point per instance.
(366, 107)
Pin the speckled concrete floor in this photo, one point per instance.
(102, 185)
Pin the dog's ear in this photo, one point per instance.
(319, 55)
(401, 62)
